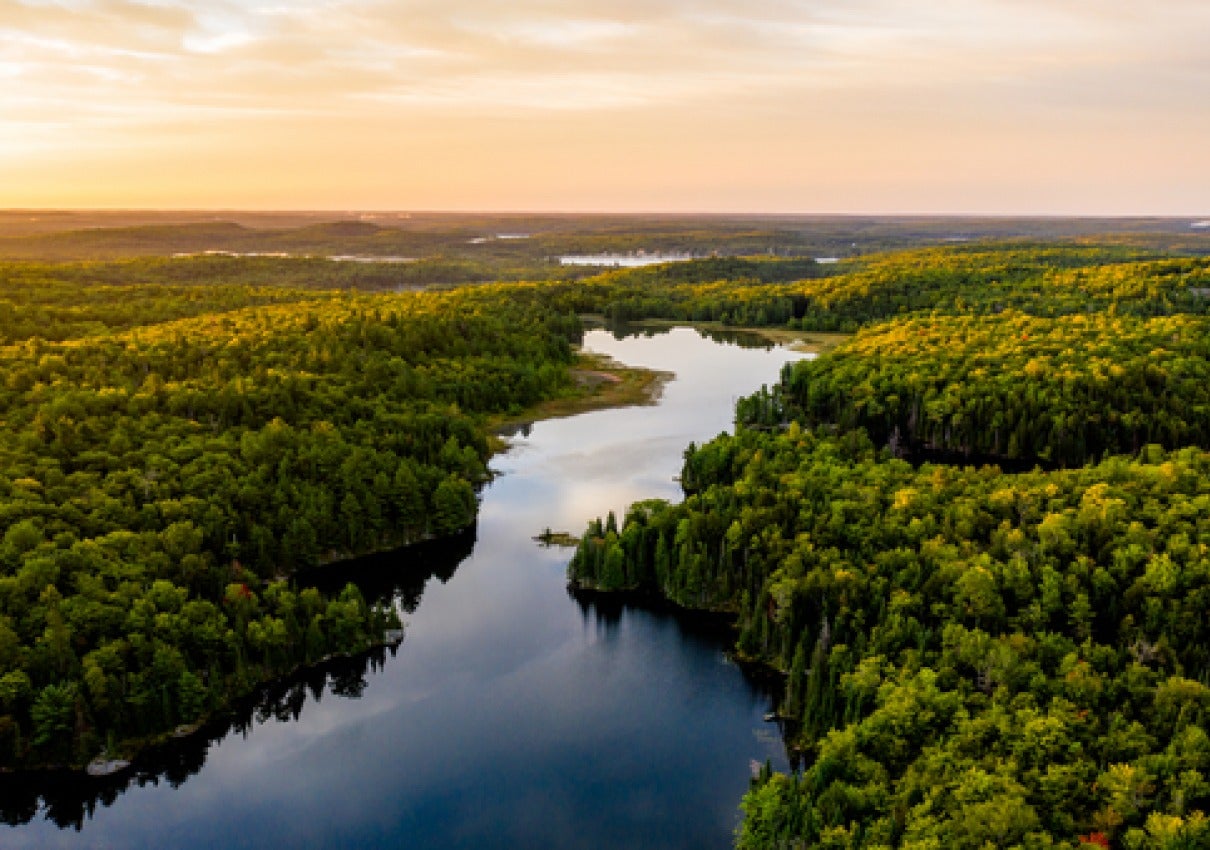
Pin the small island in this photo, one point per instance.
(557, 538)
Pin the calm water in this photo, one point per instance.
(512, 716)
(625, 261)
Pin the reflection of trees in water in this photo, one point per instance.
(605, 611)
(742, 339)
(70, 798)
(724, 336)
(400, 575)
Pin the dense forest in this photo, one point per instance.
(974, 657)
(70, 799)
(1070, 389)
(1039, 280)
(971, 653)
(172, 455)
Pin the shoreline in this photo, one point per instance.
(810, 342)
(132, 753)
(600, 383)
(718, 620)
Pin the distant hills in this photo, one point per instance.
(67, 235)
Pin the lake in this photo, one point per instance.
(512, 716)
(623, 261)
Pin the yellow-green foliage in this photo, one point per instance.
(1065, 390)
(983, 279)
(973, 658)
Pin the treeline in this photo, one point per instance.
(159, 484)
(975, 280)
(69, 800)
(733, 290)
(316, 273)
(1040, 280)
(973, 658)
(970, 656)
(55, 304)
(1066, 390)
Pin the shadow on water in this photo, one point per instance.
(399, 575)
(742, 339)
(607, 610)
(70, 798)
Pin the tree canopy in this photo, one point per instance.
(1011, 654)
(172, 455)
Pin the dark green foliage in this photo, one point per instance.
(169, 456)
(974, 658)
(953, 634)
(453, 505)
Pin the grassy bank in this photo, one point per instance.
(599, 382)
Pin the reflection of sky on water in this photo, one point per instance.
(510, 717)
(615, 457)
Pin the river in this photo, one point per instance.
(512, 716)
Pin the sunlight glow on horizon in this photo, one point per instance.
(986, 106)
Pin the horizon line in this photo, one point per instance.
(383, 211)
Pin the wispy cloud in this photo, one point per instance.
(84, 72)
(181, 52)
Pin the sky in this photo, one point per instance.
(1090, 107)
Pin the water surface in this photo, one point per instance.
(512, 716)
(624, 261)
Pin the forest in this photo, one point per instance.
(172, 456)
(72, 799)
(502, 240)
(1006, 649)
(1068, 390)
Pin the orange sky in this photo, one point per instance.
(989, 106)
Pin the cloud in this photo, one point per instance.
(83, 75)
(623, 53)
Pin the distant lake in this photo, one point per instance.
(631, 261)
(628, 261)
(481, 240)
(513, 715)
(285, 255)
(351, 258)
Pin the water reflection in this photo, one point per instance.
(723, 336)
(512, 717)
(401, 575)
(605, 613)
(69, 798)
